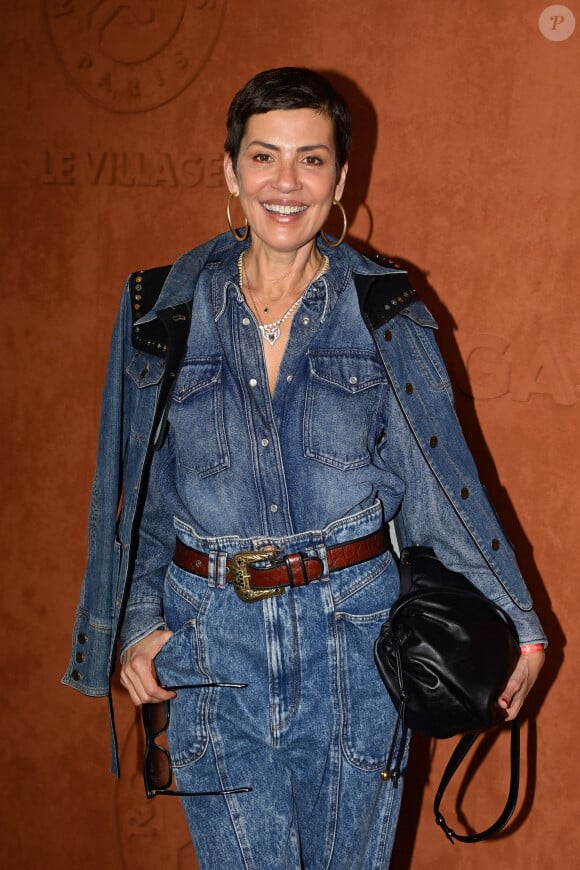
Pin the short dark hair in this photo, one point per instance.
(289, 87)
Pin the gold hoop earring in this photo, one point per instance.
(340, 240)
(239, 237)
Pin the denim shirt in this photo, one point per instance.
(356, 420)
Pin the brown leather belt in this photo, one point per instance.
(295, 569)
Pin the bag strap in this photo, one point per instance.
(457, 757)
(394, 767)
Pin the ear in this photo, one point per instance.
(338, 191)
(230, 175)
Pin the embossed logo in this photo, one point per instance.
(136, 55)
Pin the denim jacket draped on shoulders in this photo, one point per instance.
(413, 458)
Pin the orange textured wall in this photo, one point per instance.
(465, 167)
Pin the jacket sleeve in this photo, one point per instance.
(445, 506)
(90, 661)
(144, 610)
(427, 518)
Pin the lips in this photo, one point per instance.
(284, 209)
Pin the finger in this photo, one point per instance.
(144, 692)
(514, 707)
(138, 673)
(510, 693)
(135, 691)
(140, 678)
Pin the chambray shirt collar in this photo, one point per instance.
(319, 298)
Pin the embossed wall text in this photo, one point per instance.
(131, 169)
(496, 368)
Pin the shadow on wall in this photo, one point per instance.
(365, 127)
(364, 143)
(418, 769)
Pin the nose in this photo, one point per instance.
(286, 176)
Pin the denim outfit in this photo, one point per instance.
(359, 428)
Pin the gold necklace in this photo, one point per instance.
(271, 331)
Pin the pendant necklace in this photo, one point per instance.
(271, 331)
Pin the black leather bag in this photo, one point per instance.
(445, 655)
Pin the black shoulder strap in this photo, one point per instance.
(382, 296)
(145, 287)
(459, 753)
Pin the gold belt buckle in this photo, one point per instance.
(240, 575)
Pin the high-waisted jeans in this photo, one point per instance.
(309, 733)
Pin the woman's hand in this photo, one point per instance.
(520, 683)
(138, 673)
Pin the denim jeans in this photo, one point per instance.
(309, 733)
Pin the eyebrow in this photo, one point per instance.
(301, 148)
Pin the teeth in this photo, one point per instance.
(284, 209)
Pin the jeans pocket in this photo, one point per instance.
(176, 665)
(184, 595)
(368, 714)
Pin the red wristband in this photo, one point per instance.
(527, 648)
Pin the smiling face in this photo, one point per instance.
(286, 176)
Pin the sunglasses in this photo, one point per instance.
(158, 769)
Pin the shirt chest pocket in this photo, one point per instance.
(197, 417)
(344, 390)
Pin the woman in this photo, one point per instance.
(262, 565)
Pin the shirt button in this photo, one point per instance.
(265, 442)
(409, 388)
(82, 638)
(246, 321)
(305, 321)
(289, 379)
(464, 492)
(274, 508)
(495, 544)
(388, 334)
(433, 441)
(253, 382)
(353, 380)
